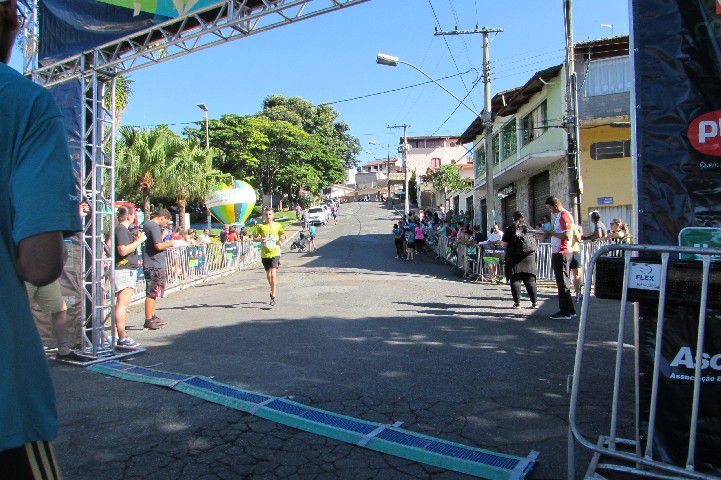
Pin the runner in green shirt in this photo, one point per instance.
(270, 234)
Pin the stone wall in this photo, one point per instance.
(558, 173)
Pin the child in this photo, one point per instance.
(311, 238)
(410, 243)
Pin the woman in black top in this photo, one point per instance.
(520, 267)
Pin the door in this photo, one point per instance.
(508, 206)
(540, 191)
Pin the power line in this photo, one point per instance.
(360, 97)
(458, 106)
(453, 58)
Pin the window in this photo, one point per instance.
(534, 124)
(611, 75)
(496, 149)
(509, 139)
(608, 150)
(435, 162)
(479, 164)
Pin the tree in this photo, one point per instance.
(447, 179)
(189, 174)
(141, 158)
(123, 90)
(289, 146)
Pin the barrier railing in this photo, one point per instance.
(660, 283)
(186, 266)
(486, 263)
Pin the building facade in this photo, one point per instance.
(430, 152)
(530, 145)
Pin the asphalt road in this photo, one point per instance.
(355, 331)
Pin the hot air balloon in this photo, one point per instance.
(231, 204)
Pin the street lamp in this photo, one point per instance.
(204, 108)
(486, 119)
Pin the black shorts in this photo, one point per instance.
(273, 262)
(575, 261)
(154, 282)
(32, 461)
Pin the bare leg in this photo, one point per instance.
(273, 281)
(269, 276)
(149, 308)
(121, 311)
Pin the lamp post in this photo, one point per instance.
(204, 108)
(485, 118)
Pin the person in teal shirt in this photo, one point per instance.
(39, 202)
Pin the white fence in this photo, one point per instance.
(186, 266)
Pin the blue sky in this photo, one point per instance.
(332, 57)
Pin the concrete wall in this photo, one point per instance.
(419, 159)
(605, 178)
(558, 176)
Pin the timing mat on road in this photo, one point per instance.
(380, 437)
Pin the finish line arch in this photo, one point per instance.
(179, 27)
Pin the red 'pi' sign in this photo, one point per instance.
(704, 133)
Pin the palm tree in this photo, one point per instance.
(189, 174)
(123, 90)
(143, 157)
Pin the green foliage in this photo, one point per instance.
(288, 147)
(412, 186)
(447, 179)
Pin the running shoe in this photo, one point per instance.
(128, 342)
(533, 305)
(157, 320)
(70, 357)
(517, 305)
(560, 316)
(151, 325)
(272, 301)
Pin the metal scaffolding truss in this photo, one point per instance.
(225, 21)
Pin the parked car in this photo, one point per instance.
(318, 215)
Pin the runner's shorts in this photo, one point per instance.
(575, 261)
(273, 262)
(125, 278)
(32, 461)
(154, 282)
(49, 298)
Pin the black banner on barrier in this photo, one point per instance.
(70, 27)
(677, 63)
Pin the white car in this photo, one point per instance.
(317, 215)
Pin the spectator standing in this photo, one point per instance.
(620, 233)
(232, 235)
(298, 211)
(270, 234)
(306, 221)
(546, 228)
(598, 229)
(561, 256)
(224, 233)
(398, 240)
(420, 238)
(311, 238)
(38, 203)
(576, 262)
(204, 238)
(521, 267)
(154, 266)
(126, 271)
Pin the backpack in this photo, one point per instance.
(525, 242)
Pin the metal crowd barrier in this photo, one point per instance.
(631, 457)
(186, 266)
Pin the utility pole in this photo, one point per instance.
(388, 170)
(487, 118)
(572, 117)
(404, 151)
